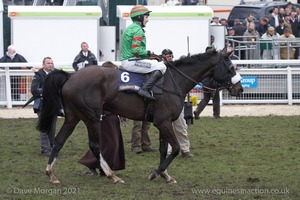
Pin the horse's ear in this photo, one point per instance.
(227, 51)
(224, 50)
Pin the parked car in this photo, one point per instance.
(258, 9)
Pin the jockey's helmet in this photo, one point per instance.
(139, 10)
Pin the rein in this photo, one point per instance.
(186, 76)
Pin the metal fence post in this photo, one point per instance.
(8, 88)
(289, 86)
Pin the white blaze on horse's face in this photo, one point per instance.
(236, 78)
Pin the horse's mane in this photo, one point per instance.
(195, 58)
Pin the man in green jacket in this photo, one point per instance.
(134, 56)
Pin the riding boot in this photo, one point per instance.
(144, 90)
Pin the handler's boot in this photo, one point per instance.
(144, 90)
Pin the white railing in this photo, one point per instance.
(274, 85)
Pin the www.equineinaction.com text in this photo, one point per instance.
(241, 191)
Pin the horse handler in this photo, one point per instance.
(111, 144)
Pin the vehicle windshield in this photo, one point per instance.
(242, 13)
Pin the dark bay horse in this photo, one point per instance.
(87, 92)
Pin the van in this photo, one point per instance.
(258, 9)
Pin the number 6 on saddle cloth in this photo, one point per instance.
(131, 81)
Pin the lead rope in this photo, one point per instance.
(186, 76)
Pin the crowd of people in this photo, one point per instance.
(282, 24)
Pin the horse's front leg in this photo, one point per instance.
(166, 135)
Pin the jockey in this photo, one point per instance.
(134, 56)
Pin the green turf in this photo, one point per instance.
(235, 158)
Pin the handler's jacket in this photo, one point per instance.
(134, 42)
(209, 82)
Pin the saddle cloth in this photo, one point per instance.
(131, 81)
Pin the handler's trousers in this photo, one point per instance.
(140, 135)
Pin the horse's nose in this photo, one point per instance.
(240, 91)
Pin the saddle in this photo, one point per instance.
(132, 82)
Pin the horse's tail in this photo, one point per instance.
(51, 103)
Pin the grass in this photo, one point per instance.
(235, 158)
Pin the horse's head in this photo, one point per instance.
(226, 75)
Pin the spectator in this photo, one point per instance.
(46, 139)
(210, 90)
(215, 21)
(85, 58)
(287, 22)
(12, 56)
(239, 31)
(287, 11)
(54, 2)
(223, 22)
(231, 31)
(281, 13)
(294, 24)
(173, 3)
(248, 20)
(295, 30)
(291, 6)
(287, 52)
(212, 42)
(274, 18)
(140, 140)
(179, 125)
(298, 13)
(231, 34)
(269, 53)
(189, 2)
(262, 26)
(135, 57)
(279, 29)
(250, 36)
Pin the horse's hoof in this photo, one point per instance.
(171, 181)
(55, 181)
(152, 175)
(119, 181)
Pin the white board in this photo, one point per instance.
(107, 43)
(55, 31)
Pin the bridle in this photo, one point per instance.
(228, 85)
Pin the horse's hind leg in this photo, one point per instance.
(94, 131)
(65, 131)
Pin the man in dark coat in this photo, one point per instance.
(208, 94)
(85, 58)
(12, 56)
(37, 85)
(239, 30)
